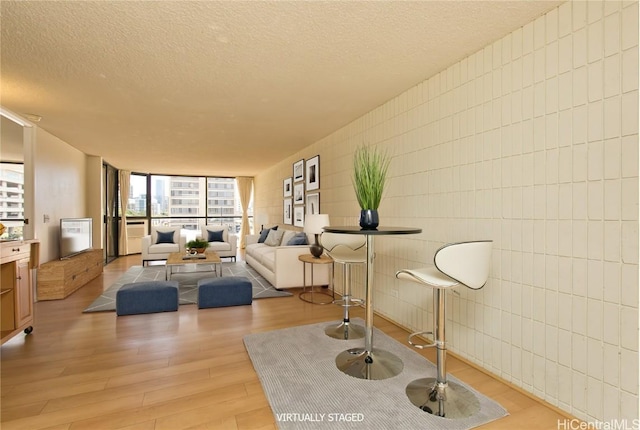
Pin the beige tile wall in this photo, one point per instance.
(532, 142)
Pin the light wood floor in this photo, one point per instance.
(175, 370)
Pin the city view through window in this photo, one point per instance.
(189, 202)
(12, 200)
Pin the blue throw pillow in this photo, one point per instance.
(215, 236)
(298, 239)
(264, 233)
(165, 237)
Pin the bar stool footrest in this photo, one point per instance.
(421, 345)
(348, 303)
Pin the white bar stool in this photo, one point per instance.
(346, 250)
(464, 263)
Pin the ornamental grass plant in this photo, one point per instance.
(369, 176)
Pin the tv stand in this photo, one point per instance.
(57, 279)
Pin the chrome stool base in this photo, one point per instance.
(458, 402)
(377, 364)
(345, 330)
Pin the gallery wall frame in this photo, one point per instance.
(298, 216)
(312, 203)
(287, 210)
(298, 194)
(312, 173)
(287, 187)
(298, 171)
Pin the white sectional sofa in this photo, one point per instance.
(278, 262)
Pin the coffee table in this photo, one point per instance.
(177, 259)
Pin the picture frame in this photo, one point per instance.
(298, 194)
(312, 204)
(287, 187)
(312, 173)
(287, 211)
(298, 216)
(298, 171)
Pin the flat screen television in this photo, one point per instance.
(75, 236)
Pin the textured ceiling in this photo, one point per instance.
(227, 87)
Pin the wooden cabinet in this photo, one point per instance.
(17, 258)
(57, 279)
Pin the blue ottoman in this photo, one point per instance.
(147, 297)
(228, 291)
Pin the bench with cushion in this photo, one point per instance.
(226, 291)
(147, 297)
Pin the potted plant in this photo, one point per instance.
(369, 176)
(198, 245)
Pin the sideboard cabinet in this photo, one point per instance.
(17, 258)
(59, 278)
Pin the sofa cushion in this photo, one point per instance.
(219, 246)
(268, 259)
(298, 239)
(262, 253)
(286, 237)
(164, 229)
(265, 232)
(165, 237)
(164, 248)
(215, 236)
(215, 229)
(273, 238)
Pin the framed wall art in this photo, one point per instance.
(298, 194)
(298, 216)
(287, 187)
(313, 173)
(313, 204)
(298, 171)
(287, 211)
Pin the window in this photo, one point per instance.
(12, 199)
(137, 204)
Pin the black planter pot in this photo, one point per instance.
(369, 219)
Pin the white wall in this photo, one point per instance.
(60, 189)
(532, 142)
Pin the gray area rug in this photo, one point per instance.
(187, 278)
(297, 369)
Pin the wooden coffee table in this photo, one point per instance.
(177, 259)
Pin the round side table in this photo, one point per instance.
(310, 259)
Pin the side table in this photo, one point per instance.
(310, 259)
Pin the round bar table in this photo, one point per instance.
(370, 362)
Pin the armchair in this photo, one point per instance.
(220, 240)
(162, 241)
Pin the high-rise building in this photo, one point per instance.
(12, 199)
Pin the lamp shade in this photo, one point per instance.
(260, 219)
(313, 224)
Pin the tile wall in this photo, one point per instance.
(532, 142)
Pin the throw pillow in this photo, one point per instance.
(165, 237)
(298, 239)
(215, 236)
(273, 238)
(264, 233)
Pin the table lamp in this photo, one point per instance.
(260, 218)
(314, 224)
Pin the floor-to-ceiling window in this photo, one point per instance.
(12, 199)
